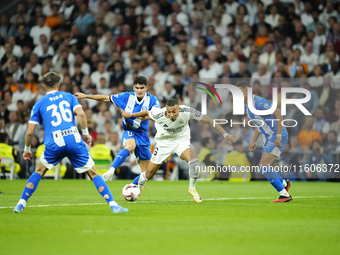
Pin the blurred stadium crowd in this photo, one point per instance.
(99, 46)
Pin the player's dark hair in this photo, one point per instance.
(3, 137)
(51, 79)
(243, 84)
(172, 102)
(141, 80)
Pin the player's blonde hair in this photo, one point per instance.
(51, 79)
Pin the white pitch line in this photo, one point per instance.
(157, 201)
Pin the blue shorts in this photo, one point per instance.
(77, 153)
(269, 144)
(142, 150)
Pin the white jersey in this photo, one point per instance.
(168, 129)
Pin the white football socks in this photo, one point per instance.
(142, 181)
(23, 202)
(111, 172)
(284, 193)
(192, 183)
(113, 203)
(193, 172)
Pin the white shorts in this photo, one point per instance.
(165, 148)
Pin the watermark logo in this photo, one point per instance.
(204, 96)
(238, 99)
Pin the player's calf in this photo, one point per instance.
(142, 181)
(31, 186)
(277, 182)
(119, 159)
(104, 190)
(194, 168)
(193, 175)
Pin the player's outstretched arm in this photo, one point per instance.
(102, 98)
(230, 138)
(136, 114)
(27, 155)
(252, 145)
(83, 124)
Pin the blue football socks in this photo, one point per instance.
(120, 158)
(31, 186)
(136, 180)
(273, 177)
(102, 188)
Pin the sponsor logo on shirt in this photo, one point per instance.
(175, 130)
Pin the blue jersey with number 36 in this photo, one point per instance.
(55, 111)
(128, 102)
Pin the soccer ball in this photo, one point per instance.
(131, 192)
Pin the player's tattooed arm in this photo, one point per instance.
(27, 155)
(230, 138)
(136, 114)
(102, 98)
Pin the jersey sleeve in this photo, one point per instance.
(194, 114)
(191, 113)
(262, 104)
(154, 102)
(119, 99)
(35, 115)
(156, 113)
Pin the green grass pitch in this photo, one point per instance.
(234, 218)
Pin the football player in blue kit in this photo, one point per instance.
(55, 111)
(274, 137)
(135, 136)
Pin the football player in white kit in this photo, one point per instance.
(173, 137)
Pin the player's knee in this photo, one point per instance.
(92, 173)
(130, 147)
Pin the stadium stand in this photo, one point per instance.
(99, 46)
